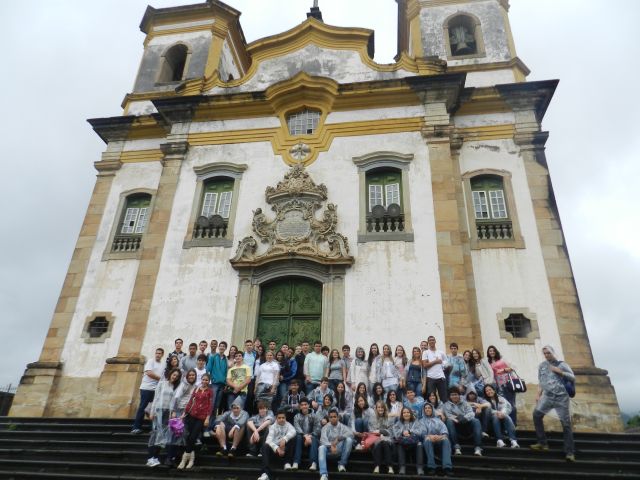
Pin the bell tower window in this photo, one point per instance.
(173, 64)
(463, 37)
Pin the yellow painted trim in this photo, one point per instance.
(416, 37)
(490, 132)
(136, 156)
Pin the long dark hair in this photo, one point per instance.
(176, 382)
(374, 394)
(169, 368)
(371, 355)
(358, 394)
(497, 357)
(388, 401)
(331, 359)
(357, 411)
(341, 397)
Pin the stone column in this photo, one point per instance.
(38, 384)
(119, 382)
(457, 284)
(596, 406)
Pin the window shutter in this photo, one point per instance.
(375, 196)
(498, 207)
(480, 204)
(225, 204)
(209, 203)
(142, 220)
(129, 222)
(393, 193)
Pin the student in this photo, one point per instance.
(344, 403)
(400, 359)
(231, 425)
(280, 444)
(435, 436)
(457, 367)
(196, 417)
(361, 391)
(438, 406)
(337, 369)
(161, 434)
(414, 372)
(500, 420)
(288, 371)
(238, 380)
(382, 425)
(316, 367)
(177, 343)
(461, 418)
(202, 348)
(258, 427)
(201, 368)
(308, 429)
(361, 416)
(347, 359)
(152, 374)
(552, 394)
(407, 432)
(414, 402)
(250, 359)
(480, 372)
(178, 403)
(336, 440)
(358, 370)
(394, 406)
(377, 394)
(325, 351)
(213, 345)
(272, 347)
(172, 362)
(189, 361)
(231, 356)
(317, 395)
(291, 401)
(374, 353)
(387, 373)
(299, 358)
(501, 371)
(433, 361)
(322, 412)
(217, 368)
(267, 379)
(482, 410)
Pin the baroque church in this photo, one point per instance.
(293, 188)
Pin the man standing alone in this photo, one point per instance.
(433, 362)
(152, 372)
(552, 393)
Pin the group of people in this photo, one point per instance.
(278, 402)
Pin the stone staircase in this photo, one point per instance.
(48, 448)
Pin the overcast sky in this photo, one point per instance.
(66, 61)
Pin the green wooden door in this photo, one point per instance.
(290, 311)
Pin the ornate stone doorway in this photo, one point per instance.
(290, 311)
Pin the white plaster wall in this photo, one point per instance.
(187, 37)
(107, 285)
(227, 63)
(142, 107)
(175, 26)
(463, 121)
(510, 277)
(375, 114)
(343, 66)
(143, 144)
(239, 124)
(496, 45)
(489, 78)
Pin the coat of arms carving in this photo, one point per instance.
(296, 230)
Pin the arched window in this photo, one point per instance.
(463, 36)
(133, 223)
(304, 122)
(173, 64)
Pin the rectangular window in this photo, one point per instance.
(209, 204)
(393, 193)
(142, 220)
(498, 207)
(129, 223)
(375, 196)
(480, 204)
(225, 204)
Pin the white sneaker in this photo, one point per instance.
(477, 452)
(152, 462)
(376, 470)
(294, 466)
(342, 468)
(313, 467)
(390, 470)
(359, 446)
(287, 466)
(206, 434)
(500, 444)
(457, 451)
(514, 444)
(324, 477)
(485, 435)
(264, 476)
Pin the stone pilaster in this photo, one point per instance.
(595, 406)
(120, 379)
(38, 384)
(457, 282)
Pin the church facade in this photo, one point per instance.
(292, 188)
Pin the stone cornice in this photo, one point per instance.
(112, 129)
(439, 89)
(534, 96)
(178, 109)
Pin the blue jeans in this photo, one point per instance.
(416, 387)
(313, 449)
(505, 423)
(232, 397)
(343, 451)
(310, 386)
(510, 397)
(217, 389)
(146, 397)
(445, 453)
(361, 425)
(472, 426)
(283, 389)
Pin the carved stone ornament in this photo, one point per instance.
(295, 231)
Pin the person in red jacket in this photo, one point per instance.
(196, 417)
